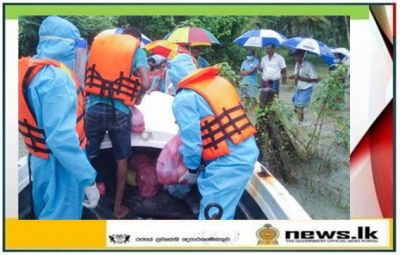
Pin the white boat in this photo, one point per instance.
(264, 198)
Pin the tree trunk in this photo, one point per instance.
(346, 21)
(334, 27)
(283, 148)
(289, 27)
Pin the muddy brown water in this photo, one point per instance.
(323, 192)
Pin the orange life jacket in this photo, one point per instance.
(35, 137)
(108, 73)
(230, 120)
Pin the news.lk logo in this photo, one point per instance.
(364, 234)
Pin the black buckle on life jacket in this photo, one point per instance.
(222, 128)
(82, 139)
(34, 139)
(94, 79)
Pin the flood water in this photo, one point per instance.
(323, 193)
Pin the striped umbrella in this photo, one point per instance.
(260, 38)
(309, 45)
(118, 30)
(192, 36)
(166, 49)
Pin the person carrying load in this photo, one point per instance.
(214, 130)
(117, 77)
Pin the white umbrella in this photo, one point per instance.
(158, 58)
(342, 51)
(260, 38)
(310, 45)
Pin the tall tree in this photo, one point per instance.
(346, 21)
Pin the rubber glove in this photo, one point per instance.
(92, 196)
(188, 178)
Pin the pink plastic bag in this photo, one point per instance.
(137, 120)
(146, 177)
(170, 165)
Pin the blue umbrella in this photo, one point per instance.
(310, 45)
(260, 38)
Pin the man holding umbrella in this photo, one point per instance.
(272, 66)
(305, 76)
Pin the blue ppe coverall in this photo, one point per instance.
(224, 179)
(58, 182)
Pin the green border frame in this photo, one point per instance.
(13, 11)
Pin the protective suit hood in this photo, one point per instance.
(179, 68)
(56, 40)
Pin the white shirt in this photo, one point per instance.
(307, 70)
(272, 68)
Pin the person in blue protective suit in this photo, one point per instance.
(62, 175)
(159, 81)
(202, 101)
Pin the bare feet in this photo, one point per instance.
(121, 212)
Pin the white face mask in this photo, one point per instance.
(336, 61)
(250, 58)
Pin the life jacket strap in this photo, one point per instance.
(34, 139)
(117, 87)
(211, 134)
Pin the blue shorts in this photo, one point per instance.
(275, 86)
(98, 120)
(301, 98)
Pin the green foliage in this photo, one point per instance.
(228, 73)
(306, 141)
(155, 27)
(28, 38)
(90, 26)
(343, 132)
(283, 116)
(331, 30)
(248, 101)
(330, 96)
(276, 141)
